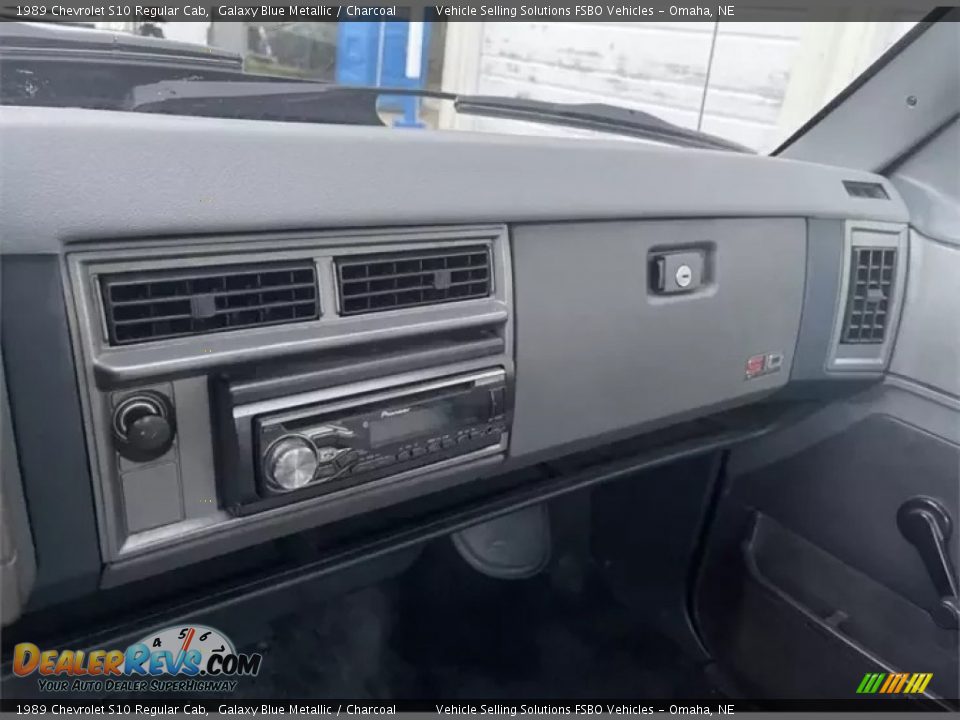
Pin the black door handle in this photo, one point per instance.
(926, 525)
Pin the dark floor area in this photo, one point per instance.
(442, 630)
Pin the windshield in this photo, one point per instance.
(749, 85)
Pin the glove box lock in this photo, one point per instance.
(676, 271)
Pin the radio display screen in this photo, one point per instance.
(396, 425)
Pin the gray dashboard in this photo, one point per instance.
(79, 175)
(572, 227)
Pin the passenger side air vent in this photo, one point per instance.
(145, 306)
(869, 296)
(374, 283)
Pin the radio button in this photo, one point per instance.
(347, 458)
(326, 471)
(327, 454)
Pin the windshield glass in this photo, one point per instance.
(749, 84)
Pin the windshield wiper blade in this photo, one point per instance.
(593, 116)
(267, 99)
(311, 101)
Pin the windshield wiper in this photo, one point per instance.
(305, 101)
(593, 116)
(286, 100)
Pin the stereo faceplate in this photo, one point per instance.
(311, 444)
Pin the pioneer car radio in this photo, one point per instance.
(289, 448)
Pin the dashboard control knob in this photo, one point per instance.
(143, 426)
(291, 463)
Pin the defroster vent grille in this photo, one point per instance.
(374, 283)
(154, 305)
(870, 293)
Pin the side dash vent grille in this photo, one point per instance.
(374, 283)
(869, 296)
(145, 306)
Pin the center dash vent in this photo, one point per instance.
(869, 296)
(374, 283)
(153, 305)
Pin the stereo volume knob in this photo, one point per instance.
(143, 426)
(290, 464)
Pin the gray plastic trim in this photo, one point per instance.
(599, 351)
(207, 524)
(936, 215)
(180, 356)
(877, 123)
(243, 532)
(46, 407)
(303, 516)
(928, 346)
(345, 396)
(18, 564)
(185, 361)
(360, 364)
(929, 181)
(825, 244)
(152, 496)
(171, 175)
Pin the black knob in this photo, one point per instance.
(290, 463)
(143, 426)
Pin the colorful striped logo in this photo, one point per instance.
(893, 683)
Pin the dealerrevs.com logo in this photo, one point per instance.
(894, 683)
(178, 658)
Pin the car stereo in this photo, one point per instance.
(290, 448)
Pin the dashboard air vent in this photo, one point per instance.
(869, 295)
(374, 283)
(153, 305)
